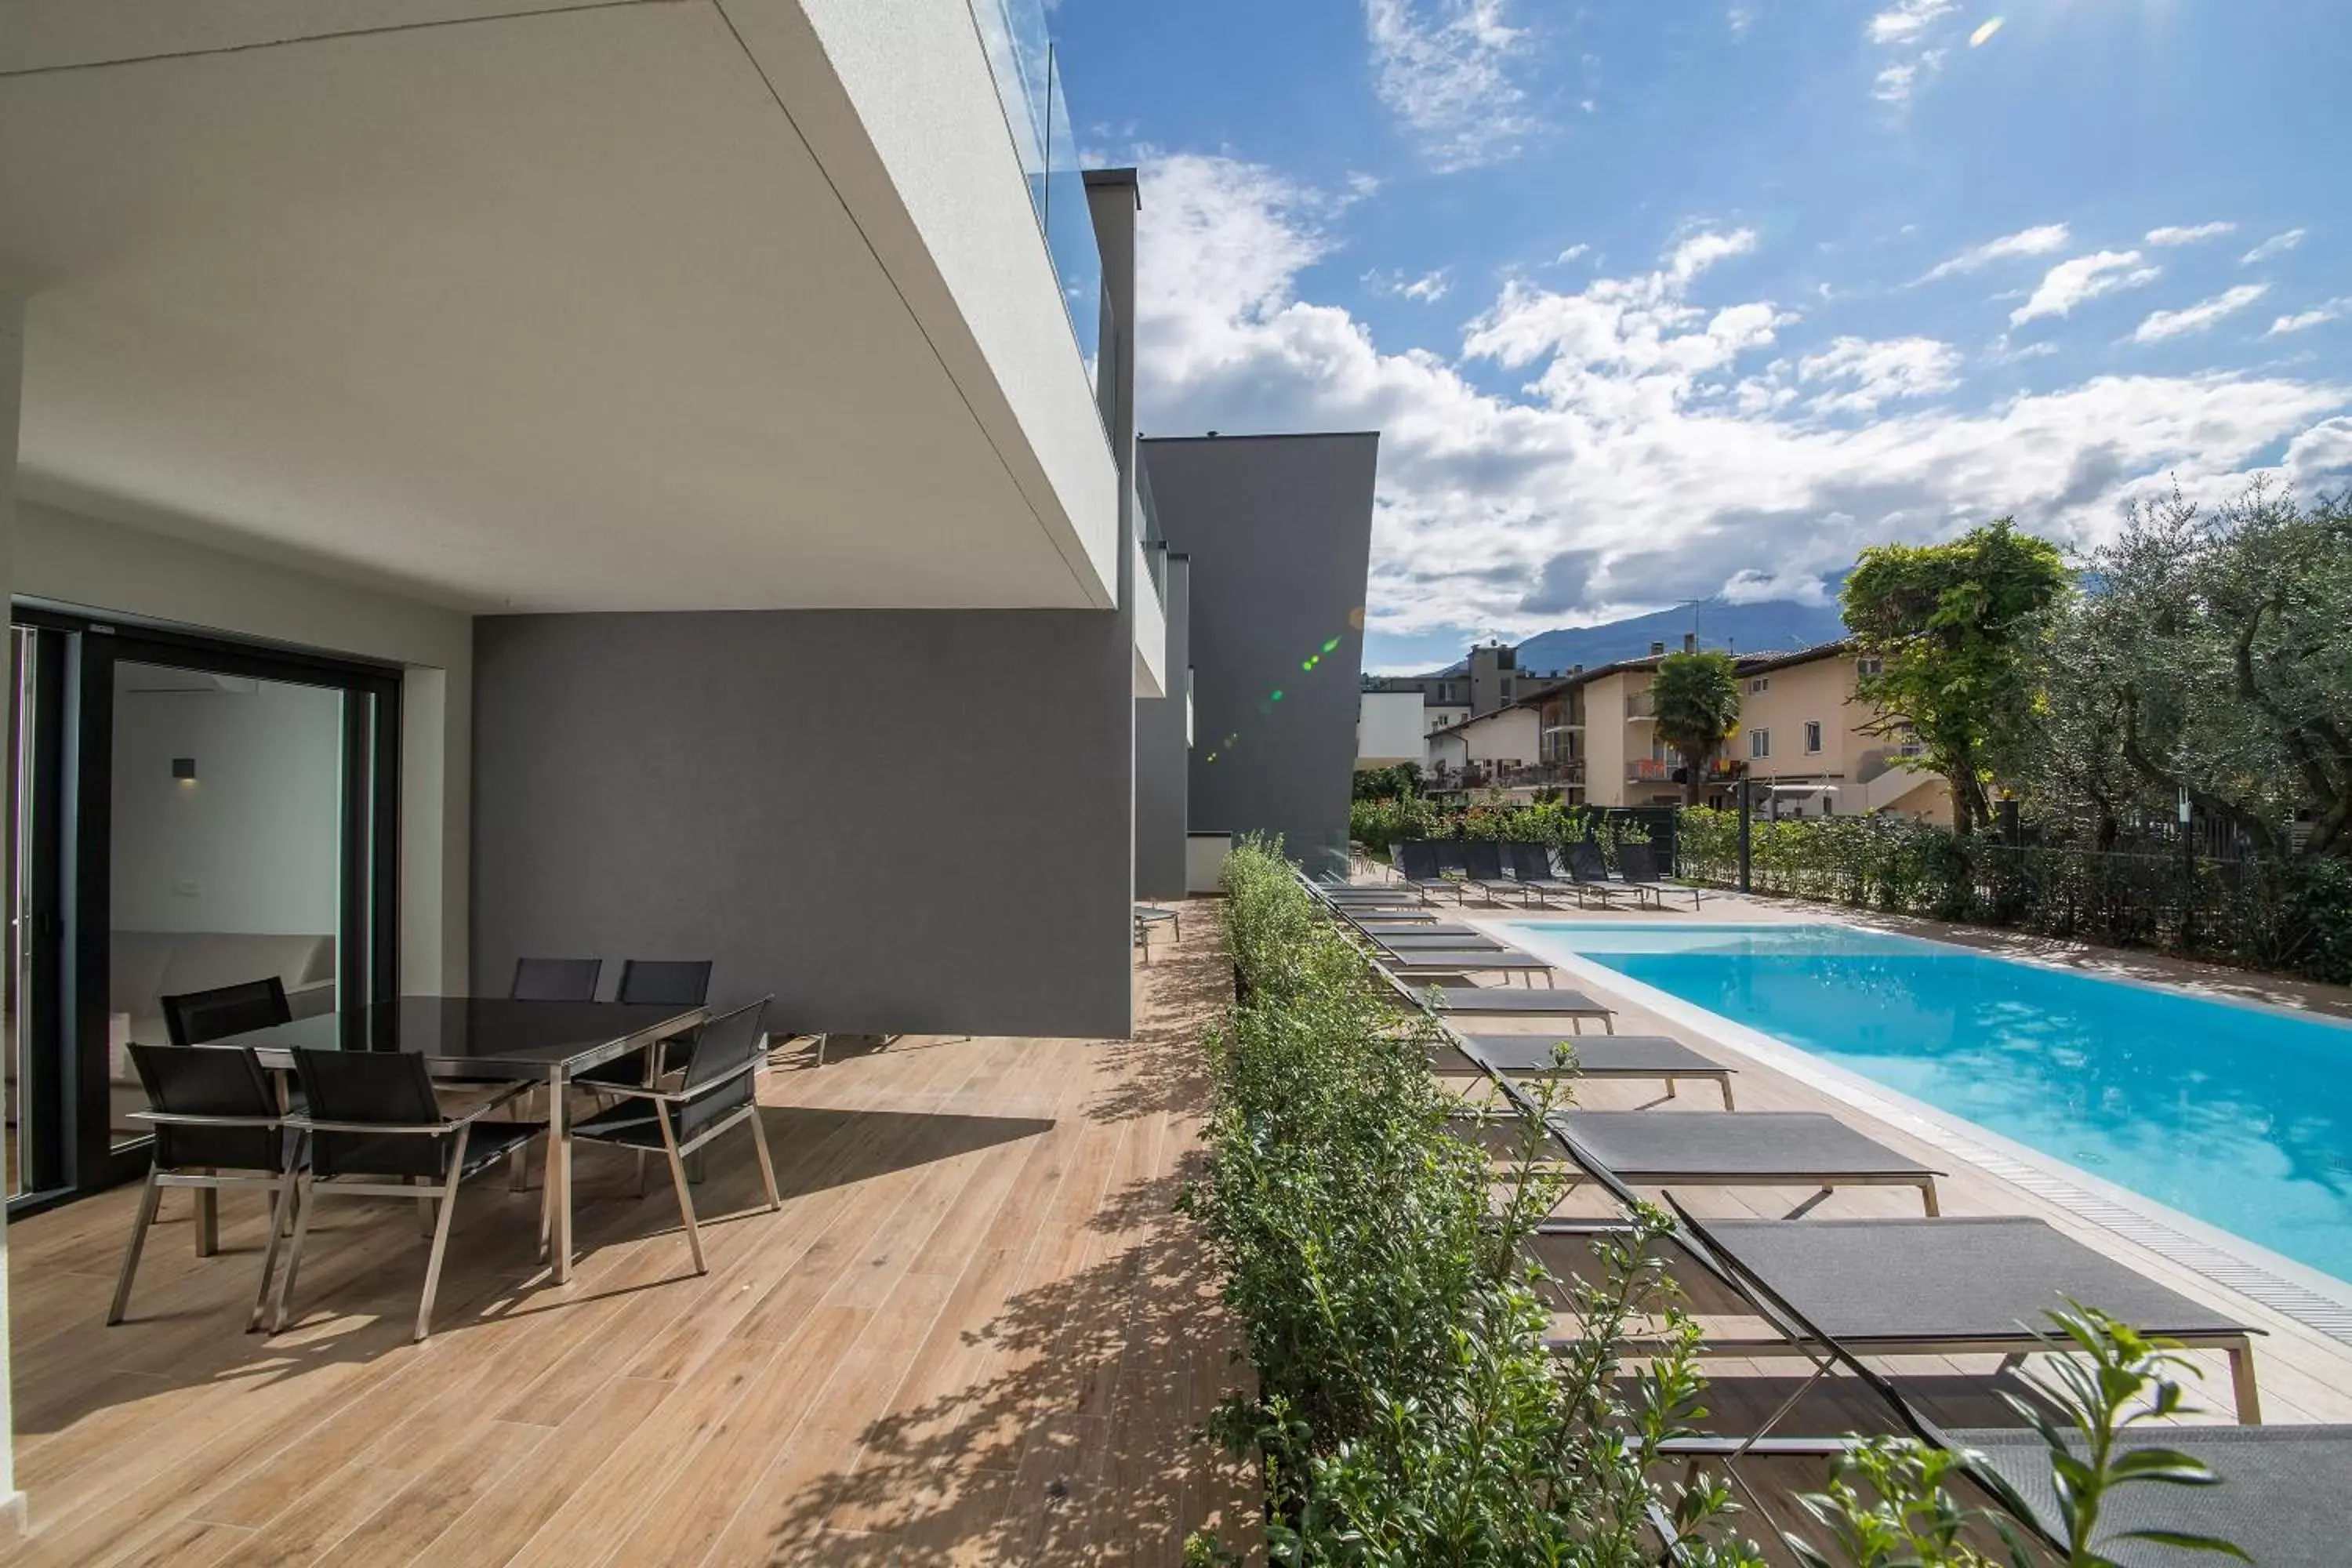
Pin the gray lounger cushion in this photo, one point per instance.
(1414, 928)
(2281, 1500)
(1466, 961)
(1439, 941)
(1962, 1278)
(1640, 1145)
(1542, 1002)
(1631, 1055)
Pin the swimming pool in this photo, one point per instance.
(2240, 1116)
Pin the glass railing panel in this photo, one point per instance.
(1070, 225)
(1020, 57)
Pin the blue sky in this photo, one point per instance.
(1662, 297)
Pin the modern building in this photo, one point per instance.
(459, 460)
(1487, 679)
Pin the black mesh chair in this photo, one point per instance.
(715, 1095)
(216, 1125)
(377, 1130)
(555, 979)
(194, 1018)
(665, 981)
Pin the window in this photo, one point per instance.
(1870, 666)
(1812, 734)
(1761, 683)
(1759, 742)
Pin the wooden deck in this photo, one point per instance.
(974, 1333)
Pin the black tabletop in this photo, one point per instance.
(481, 1032)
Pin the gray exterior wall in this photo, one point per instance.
(1279, 531)
(734, 786)
(1162, 776)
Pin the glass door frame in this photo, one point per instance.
(80, 746)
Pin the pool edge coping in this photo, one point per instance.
(2294, 1290)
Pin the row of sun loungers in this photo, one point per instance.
(1527, 872)
(1836, 1291)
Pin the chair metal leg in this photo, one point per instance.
(424, 1205)
(641, 1173)
(304, 1201)
(519, 1178)
(767, 1165)
(148, 1200)
(441, 1234)
(685, 1197)
(281, 1209)
(207, 1219)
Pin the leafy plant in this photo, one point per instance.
(1696, 701)
(2116, 1378)
(1956, 630)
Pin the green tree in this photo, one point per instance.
(2208, 654)
(1956, 630)
(1697, 697)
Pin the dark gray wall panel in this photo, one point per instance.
(915, 821)
(1160, 776)
(1279, 531)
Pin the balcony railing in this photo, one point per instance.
(1509, 775)
(1022, 58)
(1642, 705)
(1147, 528)
(1649, 770)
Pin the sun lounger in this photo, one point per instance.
(1417, 866)
(1422, 941)
(1458, 1001)
(1639, 863)
(1588, 873)
(1745, 1149)
(1532, 1057)
(1531, 873)
(1482, 867)
(2281, 1500)
(1422, 963)
(1390, 926)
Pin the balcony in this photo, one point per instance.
(1649, 770)
(1642, 705)
(1023, 59)
(1509, 775)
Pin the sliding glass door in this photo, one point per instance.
(187, 813)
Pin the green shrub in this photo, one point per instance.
(1406, 1411)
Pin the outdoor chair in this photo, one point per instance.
(1424, 939)
(217, 1125)
(1457, 1001)
(1482, 869)
(1426, 964)
(1378, 926)
(1535, 1058)
(195, 1017)
(377, 1130)
(555, 979)
(715, 1095)
(1746, 1149)
(1639, 862)
(1588, 873)
(1532, 874)
(1844, 1289)
(664, 982)
(1417, 865)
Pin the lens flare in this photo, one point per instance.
(1978, 39)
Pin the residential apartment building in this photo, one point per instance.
(512, 424)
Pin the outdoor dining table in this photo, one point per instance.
(484, 1039)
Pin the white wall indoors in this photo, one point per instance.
(252, 843)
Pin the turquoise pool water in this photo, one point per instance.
(2240, 1116)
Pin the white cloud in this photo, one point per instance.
(1739, 18)
(1907, 20)
(1660, 440)
(1429, 287)
(1571, 254)
(2069, 283)
(1898, 81)
(2277, 245)
(2319, 315)
(2037, 241)
(1444, 67)
(2197, 317)
(1866, 372)
(2193, 234)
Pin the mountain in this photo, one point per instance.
(1774, 626)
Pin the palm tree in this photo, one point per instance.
(1696, 698)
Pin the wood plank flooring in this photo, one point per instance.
(974, 1333)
